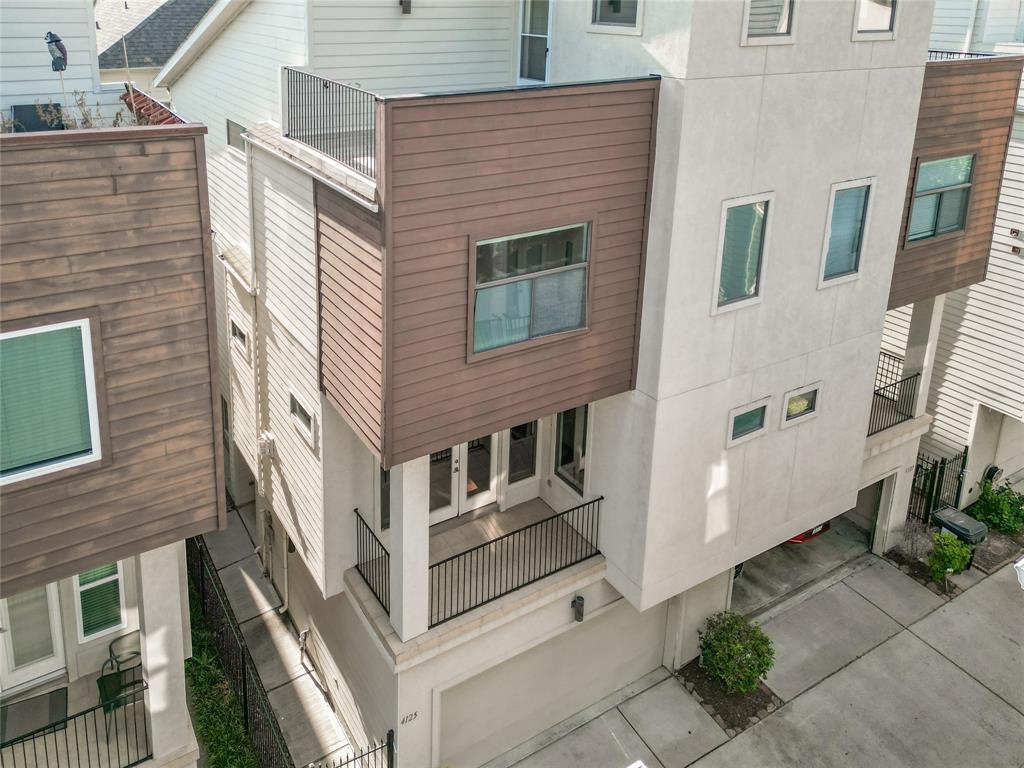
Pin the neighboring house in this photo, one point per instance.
(538, 318)
(110, 438)
(977, 393)
(149, 31)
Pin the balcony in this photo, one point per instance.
(895, 396)
(474, 563)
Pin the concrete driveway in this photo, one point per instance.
(875, 671)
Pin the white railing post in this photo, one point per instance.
(283, 101)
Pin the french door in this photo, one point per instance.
(463, 478)
(31, 645)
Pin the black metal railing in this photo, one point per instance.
(938, 482)
(333, 118)
(114, 734)
(380, 754)
(893, 404)
(937, 55)
(373, 562)
(889, 369)
(260, 721)
(495, 568)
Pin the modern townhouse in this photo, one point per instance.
(110, 440)
(539, 318)
(977, 395)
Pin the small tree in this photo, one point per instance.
(949, 556)
(735, 652)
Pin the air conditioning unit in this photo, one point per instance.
(265, 446)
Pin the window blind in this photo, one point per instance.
(844, 241)
(741, 258)
(100, 598)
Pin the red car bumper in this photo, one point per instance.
(813, 533)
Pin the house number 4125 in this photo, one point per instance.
(409, 718)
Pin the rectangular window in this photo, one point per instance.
(941, 192)
(530, 286)
(801, 404)
(100, 601)
(769, 18)
(571, 447)
(876, 15)
(533, 40)
(747, 421)
(522, 452)
(238, 336)
(300, 415)
(743, 238)
(235, 132)
(385, 499)
(48, 413)
(846, 223)
(618, 13)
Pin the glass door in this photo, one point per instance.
(463, 478)
(31, 646)
(444, 475)
(534, 34)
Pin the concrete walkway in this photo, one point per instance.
(875, 670)
(310, 727)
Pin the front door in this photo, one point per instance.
(31, 646)
(463, 478)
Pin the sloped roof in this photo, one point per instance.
(155, 39)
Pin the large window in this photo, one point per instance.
(846, 223)
(941, 193)
(48, 413)
(571, 447)
(100, 600)
(769, 18)
(529, 286)
(876, 15)
(619, 13)
(743, 237)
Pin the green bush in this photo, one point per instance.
(735, 652)
(1000, 508)
(950, 554)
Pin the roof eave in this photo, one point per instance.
(205, 32)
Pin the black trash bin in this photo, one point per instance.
(961, 525)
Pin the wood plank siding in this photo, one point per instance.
(395, 288)
(114, 224)
(966, 107)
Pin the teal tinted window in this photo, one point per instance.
(846, 233)
(941, 194)
(748, 422)
(741, 252)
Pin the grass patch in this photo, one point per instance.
(219, 722)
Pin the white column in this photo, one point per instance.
(922, 340)
(687, 613)
(410, 547)
(163, 625)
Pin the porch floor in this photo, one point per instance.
(467, 531)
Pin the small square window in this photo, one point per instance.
(800, 405)
(748, 422)
(618, 13)
(769, 18)
(741, 252)
(876, 15)
(235, 131)
(302, 417)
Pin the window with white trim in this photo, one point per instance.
(942, 190)
(616, 13)
(769, 18)
(100, 601)
(876, 16)
(741, 251)
(49, 419)
(234, 135)
(801, 404)
(847, 222)
(301, 416)
(747, 421)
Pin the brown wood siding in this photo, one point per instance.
(350, 263)
(463, 168)
(966, 106)
(115, 223)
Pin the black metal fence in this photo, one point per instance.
(114, 734)
(373, 562)
(380, 754)
(893, 404)
(333, 118)
(936, 55)
(260, 722)
(938, 482)
(495, 568)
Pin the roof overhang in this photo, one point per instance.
(206, 31)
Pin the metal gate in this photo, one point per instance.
(938, 482)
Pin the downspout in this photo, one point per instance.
(969, 37)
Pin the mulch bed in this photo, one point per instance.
(733, 713)
(919, 572)
(998, 550)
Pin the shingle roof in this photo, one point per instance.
(157, 37)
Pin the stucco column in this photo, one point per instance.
(410, 547)
(922, 339)
(163, 629)
(687, 613)
(892, 509)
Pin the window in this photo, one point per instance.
(238, 336)
(301, 416)
(800, 404)
(235, 132)
(941, 192)
(847, 220)
(385, 499)
(522, 452)
(529, 286)
(48, 412)
(618, 13)
(747, 421)
(876, 15)
(769, 18)
(100, 601)
(533, 41)
(742, 251)
(571, 447)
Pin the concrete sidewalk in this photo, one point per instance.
(875, 671)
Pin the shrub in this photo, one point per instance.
(735, 652)
(999, 507)
(950, 554)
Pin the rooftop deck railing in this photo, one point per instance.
(333, 118)
(114, 734)
(937, 55)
